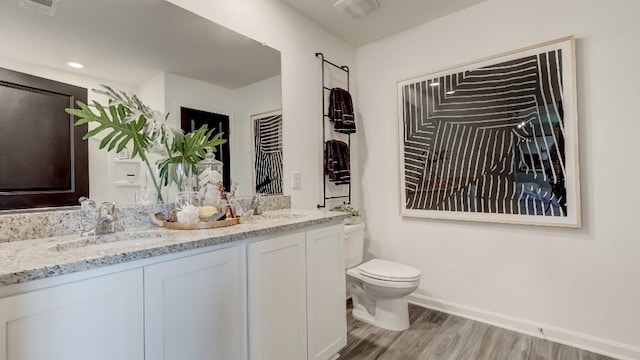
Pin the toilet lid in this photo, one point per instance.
(389, 271)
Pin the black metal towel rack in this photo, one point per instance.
(325, 116)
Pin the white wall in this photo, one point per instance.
(265, 95)
(73, 77)
(185, 92)
(298, 39)
(152, 92)
(580, 285)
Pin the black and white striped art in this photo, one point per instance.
(495, 140)
(267, 140)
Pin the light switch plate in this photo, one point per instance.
(295, 180)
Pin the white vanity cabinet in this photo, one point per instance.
(100, 319)
(296, 288)
(326, 292)
(274, 298)
(194, 307)
(277, 298)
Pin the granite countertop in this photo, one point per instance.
(27, 260)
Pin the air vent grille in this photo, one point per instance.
(356, 8)
(47, 3)
(47, 7)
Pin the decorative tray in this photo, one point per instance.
(201, 225)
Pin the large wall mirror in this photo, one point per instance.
(170, 57)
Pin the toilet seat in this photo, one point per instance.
(355, 273)
(385, 270)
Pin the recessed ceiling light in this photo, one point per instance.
(75, 65)
(451, 92)
(434, 84)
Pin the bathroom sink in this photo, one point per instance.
(110, 241)
(282, 216)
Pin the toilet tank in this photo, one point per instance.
(354, 244)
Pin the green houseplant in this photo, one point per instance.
(347, 208)
(188, 149)
(129, 122)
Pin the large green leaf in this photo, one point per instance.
(120, 133)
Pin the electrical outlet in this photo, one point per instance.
(295, 180)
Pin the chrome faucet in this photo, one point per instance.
(107, 222)
(86, 203)
(108, 216)
(256, 204)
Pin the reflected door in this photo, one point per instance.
(192, 119)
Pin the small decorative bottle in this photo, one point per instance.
(210, 173)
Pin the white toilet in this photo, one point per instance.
(378, 288)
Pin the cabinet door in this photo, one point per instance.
(277, 298)
(326, 293)
(194, 307)
(98, 319)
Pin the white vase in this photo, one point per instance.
(182, 187)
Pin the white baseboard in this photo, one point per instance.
(583, 341)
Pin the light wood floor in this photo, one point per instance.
(439, 336)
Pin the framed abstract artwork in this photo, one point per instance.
(493, 140)
(266, 131)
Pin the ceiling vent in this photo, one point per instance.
(356, 8)
(47, 7)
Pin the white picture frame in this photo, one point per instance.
(266, 144)
(493, 140)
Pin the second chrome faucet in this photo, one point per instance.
(108, 220)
